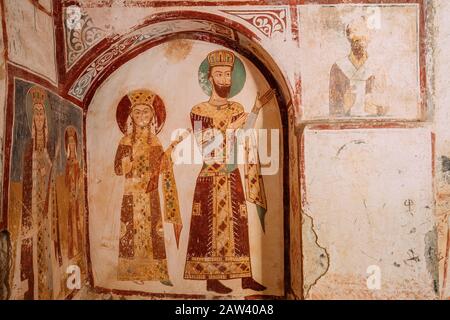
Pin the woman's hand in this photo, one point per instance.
(127, 165)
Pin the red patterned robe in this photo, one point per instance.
(218, 245)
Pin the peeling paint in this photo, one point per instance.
(445, 164)
(379, 215)
(430, 45)
(177, 50)
(316, 260)
(431, 257)
(5, 248)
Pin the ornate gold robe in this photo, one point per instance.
(142, 253)
(218, 245)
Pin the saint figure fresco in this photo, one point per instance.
(218, 247)
(74, 184)
(5, 256)
(141, 159)
(355, 84)
(39, 221)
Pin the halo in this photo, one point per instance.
(238, 77)
(124, 108)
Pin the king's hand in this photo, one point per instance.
(261, 101)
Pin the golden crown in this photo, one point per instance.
(141, 97)
(221, 58)
(38, 95)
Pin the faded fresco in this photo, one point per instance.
(5, 252)
(31, 40)
(107, 108)
(46, 200)
(141, 159)
(360, 61)
(211, 227)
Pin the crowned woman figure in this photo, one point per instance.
(36, 224)
(141, 159)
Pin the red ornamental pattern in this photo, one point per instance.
(131, 41)
(269, 22)
(80, 34)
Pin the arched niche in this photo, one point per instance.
(168, 65)
(100, 61)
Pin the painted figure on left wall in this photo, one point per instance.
(141, 159)
(39, 227)
(5, 259)
(74, 184)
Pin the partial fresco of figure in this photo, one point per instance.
(218, 247)
(39, 221)
(354, 84)
(74, 184)
(141, 158)
(5, 264)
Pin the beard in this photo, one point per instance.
(358, 50)
(222, 91)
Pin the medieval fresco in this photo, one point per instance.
(218, 239)
(116, 184)
(5, 252)
(141, 159)
(46, 199)
(360, 61)
(31, 39)
(178, 224)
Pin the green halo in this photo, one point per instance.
(237, 77)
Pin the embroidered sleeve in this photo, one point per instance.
(171, 203)
(122, 152)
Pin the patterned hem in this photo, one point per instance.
(217, 276)
(142, 270)
(217, 268)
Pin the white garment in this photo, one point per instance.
(358, 81)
